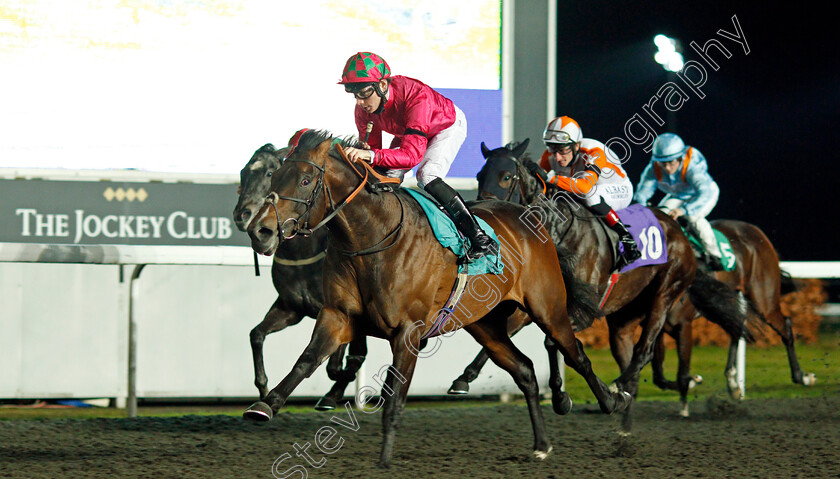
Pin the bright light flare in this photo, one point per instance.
(667, 54)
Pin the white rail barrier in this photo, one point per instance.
(796, 269)
(138, 256)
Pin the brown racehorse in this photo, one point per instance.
(386, 275)
(641, 297)
(296, 275)
(757, 277)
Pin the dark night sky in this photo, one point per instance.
(767, 126)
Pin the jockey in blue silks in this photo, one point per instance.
(681, 173)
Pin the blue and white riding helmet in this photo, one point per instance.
(668, 147)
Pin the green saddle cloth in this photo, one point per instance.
(448, 236)
(726, 255)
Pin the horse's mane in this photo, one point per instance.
(312, 138)
(267, 148)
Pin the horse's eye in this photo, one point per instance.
(507, 178)
(268, 173)
(305, 182)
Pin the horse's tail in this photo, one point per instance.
(722, 305)
(581, 297)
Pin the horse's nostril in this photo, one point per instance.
(265, 232)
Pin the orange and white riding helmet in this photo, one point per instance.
(562, 131)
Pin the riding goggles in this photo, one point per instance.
(559, 148)
(557, 137)
(361, 94)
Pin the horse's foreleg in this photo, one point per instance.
(332, 329)
(276, 319)
(621, 347)
(730, 372)
(462, 384)
(643, 351)
(658, 365)
(559, 329)
(502, 351)
(395, 391)
(334, 363)
(685, 381)
(343, 377)
(330, 400)
(561, 402)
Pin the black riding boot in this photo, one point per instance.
(631, 251)
(480, 243)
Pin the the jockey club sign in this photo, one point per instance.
(106, 212)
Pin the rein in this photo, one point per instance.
(321, 184)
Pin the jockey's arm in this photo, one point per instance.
(580, 184)
(704, 192)
(647, 186)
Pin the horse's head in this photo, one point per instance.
(502, 175)
(303, 191)
(254, 181)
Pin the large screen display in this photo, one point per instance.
(199, 85)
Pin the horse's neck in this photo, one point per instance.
(574, 227)
(367, 219)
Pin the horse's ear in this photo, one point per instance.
(520, 149)
(484, 150)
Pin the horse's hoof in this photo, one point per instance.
(542, 455)
(325, 404)
(684, 410)
(695, 380)
(735, 393)
(459, 387)
(561, 402)
(809, 379)
(258, 412)
(615, 388)
(623, 403)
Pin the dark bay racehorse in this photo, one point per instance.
(297, 278)
(641, 297)
(386, 276)
(757, 277)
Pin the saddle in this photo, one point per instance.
(728, 260)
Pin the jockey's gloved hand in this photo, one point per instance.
(535, 169)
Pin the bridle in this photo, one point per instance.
(321, 185)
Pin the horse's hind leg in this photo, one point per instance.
(798, 377)
(768, 303)
(502, 351)
(332, 329)
(343, 377)
(549, 313)
(276, 319)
